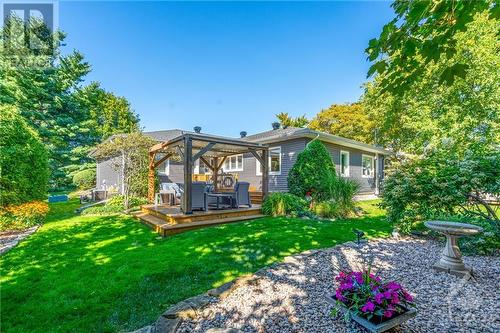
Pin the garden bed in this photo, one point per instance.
(290, 297)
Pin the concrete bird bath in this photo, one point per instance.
(451, 258)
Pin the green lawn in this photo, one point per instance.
(106, 274)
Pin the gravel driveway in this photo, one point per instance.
(289, 297)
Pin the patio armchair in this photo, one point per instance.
(241, 194)
(198, 196)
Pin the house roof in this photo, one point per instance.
(275, 135)
(288, 133)
(209, 145)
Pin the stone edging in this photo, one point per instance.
(7, 241)
(192, 307)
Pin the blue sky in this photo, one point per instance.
(225, 66)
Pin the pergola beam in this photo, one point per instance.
(203, 151)
(163, 159)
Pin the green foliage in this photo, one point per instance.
(117, 201)
(85, 179)
(134, 266)
(442, 183)
(312, 173)
(133, 148)
(114, 206)
(287, 121)
(23, 160)
(46, 88)
(283, 204)
(421, 34)
(342, 192)
(346, 120)
(429, 111)
(326, 209)
(340, 202)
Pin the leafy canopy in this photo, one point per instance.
(46, 88)
(346, 120)
(287, 121)
(421, 34)
(429, 111)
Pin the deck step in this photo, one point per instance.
(172, 229)
(166, 229)
(151, 221)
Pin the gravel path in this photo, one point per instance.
(290, 297)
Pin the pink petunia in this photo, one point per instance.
(388, 314)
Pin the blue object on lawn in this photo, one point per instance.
(58, 198)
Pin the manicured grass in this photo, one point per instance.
(106, 274)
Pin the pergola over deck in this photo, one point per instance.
(212, 151)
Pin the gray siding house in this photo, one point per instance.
(355, 160)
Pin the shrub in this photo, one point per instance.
(23, 216)
(114, 205)
(312, 172)
(441, 183)
(326, 209)
(281, 204)
(85, 179)
(23, 160)
(342, 192)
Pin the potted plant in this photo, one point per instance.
(375, 305)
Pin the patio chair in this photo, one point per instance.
(241, 195)
(198, 196)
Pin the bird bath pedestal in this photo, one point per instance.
(451, 258)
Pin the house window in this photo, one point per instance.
(367, 163)
(344, 163)
(234, 163)
(274, 162)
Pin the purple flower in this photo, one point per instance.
(379, 298)
(387, 294)
(393, 286)
(388, 314)
(368, 307)
(395, 298)
(359, 277)
(407, 296)
(339, 296)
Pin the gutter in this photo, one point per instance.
(311, 134)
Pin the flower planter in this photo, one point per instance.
(374, 327)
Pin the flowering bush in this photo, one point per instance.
(365, 295)
(23, 216)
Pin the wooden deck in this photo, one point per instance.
(167, 220)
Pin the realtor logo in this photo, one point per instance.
(29, 25)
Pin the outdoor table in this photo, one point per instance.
(219, 197)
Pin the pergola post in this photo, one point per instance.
(265, 173)
(188, 175)
(151, 177)
(215, 172)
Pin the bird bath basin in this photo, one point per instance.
(451, 258)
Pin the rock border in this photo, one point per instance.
(193, 307)
(9, 240)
